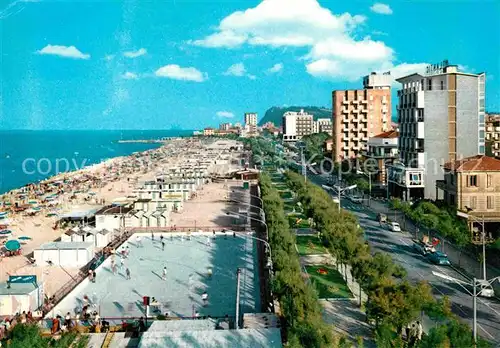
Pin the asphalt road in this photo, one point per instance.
(400, 246)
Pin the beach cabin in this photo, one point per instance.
(20, 294)
(66, 254)
(111, 217)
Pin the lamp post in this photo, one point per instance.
(266, 243)
(369, 175)
(341, 190)
(474, 282)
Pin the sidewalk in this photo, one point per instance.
(466, 262)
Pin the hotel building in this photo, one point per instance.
(382, 150)
(441, 119)
(296, 125)
(360, 114)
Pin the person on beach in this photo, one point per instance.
(162, 245)
(94, 276)
(152, 236)
(90, 275)
(164, 273)
(138, 241)
(161, 238)
(209, 243)
(127, 273)
(210, 272)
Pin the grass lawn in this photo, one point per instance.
(329, 285)
(309, 245)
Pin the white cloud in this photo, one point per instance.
(109, 57)
(135, 54)
(63, 51)
(275, 68)
(130, 76)
(237, 69)
(176, 72)
(226, 114)
(334, 50)
(381, 8)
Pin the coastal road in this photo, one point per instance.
(400, 247)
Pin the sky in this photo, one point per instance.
(186, 64)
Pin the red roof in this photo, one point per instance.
(389, 134)
(480, 163)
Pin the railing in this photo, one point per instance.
(193, 228)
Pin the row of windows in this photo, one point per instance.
(472, 181)
(490, 202)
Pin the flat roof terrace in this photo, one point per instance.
(188, 262)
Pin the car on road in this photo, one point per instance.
(422, 247)
(484, 289)
(438, 258)
(356, 199)
(394, 227)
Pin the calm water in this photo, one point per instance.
(29, 156)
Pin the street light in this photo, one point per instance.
(263, 214)
(483, 236)
(340, 190)
(369, 175)
(474, 282)
(266, 243)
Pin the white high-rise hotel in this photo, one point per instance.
(441, 119)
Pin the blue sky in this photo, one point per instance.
(94, 64)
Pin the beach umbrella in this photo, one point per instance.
(32, 202)
(24, 238)
(5, 232)
(12, 245)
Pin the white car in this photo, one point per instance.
(356, 199)
(394, 227)
(484, 289)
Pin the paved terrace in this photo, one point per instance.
(187, 263)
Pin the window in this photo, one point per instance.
(488, 180)
(490, 202)
(442, 85)
(471, 180)
(481, 149)
(429, 84)
(473, 202)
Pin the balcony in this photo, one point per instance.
(345, 101)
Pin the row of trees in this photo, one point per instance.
(298, 301)
(428, 215)
(392, 301)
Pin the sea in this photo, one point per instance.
(29, 156)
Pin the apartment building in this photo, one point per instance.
(225, 126)
(251, 119)
(360, 114)
(381, 151)
(492, 136)
(296, 125)
(473, 186)
(441, 119)
(208, 131)
(322, 125)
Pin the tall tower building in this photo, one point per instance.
(441, 119)
(360, 114)
(251, 119)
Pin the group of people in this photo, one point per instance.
(8, 323)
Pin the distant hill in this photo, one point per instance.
(275, 114)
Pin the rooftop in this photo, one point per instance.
(389, 134)
(64, 245)
(17, 288)
(474, 163)
(113, 210)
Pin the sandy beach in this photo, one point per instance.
(91, 187)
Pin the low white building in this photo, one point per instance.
(111, 217)
(24, 296)
(100, 238)
(67, 254)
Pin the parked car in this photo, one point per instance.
(438, 258)
(484, 289)
(394, 227)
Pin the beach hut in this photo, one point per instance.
(102, 238)
(66, 254)
(20, 294)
